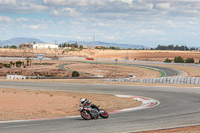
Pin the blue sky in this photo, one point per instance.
(142, 22)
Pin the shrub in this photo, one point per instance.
(1, 65)
(178, 59)
(6, 65)
(75, 74)
(13, 47)
(189, 60)
(168, 60)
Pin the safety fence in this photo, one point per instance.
(164, 80)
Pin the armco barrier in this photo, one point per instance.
(163, 80)
(12, 77)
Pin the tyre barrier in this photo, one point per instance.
(162, 80)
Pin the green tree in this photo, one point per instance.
(5, 46)
(168, 60)
(178, 59)
(13, 47)
(189, 60)
(75, 74)
(6, 65)
(1, 65)
(28, 61)
(12, 64)
(75, 45)
(19, 63)
(81, 46)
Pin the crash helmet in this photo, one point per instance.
(83, 100)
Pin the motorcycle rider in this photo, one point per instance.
(91, 111)
(86, 102)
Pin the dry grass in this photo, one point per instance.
(113, 70)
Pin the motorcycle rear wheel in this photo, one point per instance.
(85, 115)
(105, 114)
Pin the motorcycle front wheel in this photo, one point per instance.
(104, 114)
(85, 115)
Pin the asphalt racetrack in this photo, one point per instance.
(178, 107)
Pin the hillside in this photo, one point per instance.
(105, 44)
(19, 40)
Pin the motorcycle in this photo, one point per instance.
(88, 113)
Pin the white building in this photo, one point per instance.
(39, 46)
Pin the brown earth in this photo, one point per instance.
(141, 55)
(47, 69)
(51, 68)
(18, 104)
(113, 70)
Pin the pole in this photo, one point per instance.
(32, 59)
(199, 56)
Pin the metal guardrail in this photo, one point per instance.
(164, 80)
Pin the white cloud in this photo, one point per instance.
(7, 2)
(65, 12)
(127, 1)
(163, 5)
(191, 33)
(150, 31)
(36, 26)
(171, 23)
(54, 35)
(75, 37)
(22, 19)
(21, 6)
(74, 2)
(191, 22)
(81, 18)
(5, 19)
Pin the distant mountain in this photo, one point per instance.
(19, 40)
(105, 44)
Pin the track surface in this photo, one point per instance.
(178, 107)
(166, 70)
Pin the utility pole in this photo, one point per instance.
(32, 73)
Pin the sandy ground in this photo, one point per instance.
(142, 55)
(31, 104)
(113, 70)
(87, 68)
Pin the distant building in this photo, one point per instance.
(85, 47)
(99, 47)
(38, 46)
